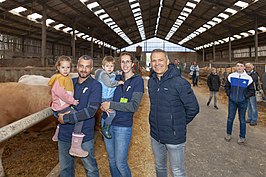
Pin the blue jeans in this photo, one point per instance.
(67, 164)
(213, 93)
(252, 110)
(117, 149)
(242, 108)
(176, 157)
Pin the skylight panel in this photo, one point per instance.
(80, 34)
(232, 11)
(221, 17)
(34, 16)
(262, 28)
(187, 10)
(2, 1)
(244, 34)
(218, 20)
(189, 4)
(57, 27)
(102, 15)
(237, 36)
(49, 21)
(158, 17)
(181, 18)
(241, 4)
(67, 29)
(252, 32)
(207, 26)
(18, 10)
(135, 8)
(92, 5)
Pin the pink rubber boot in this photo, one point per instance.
(55, 137)
(76, 149)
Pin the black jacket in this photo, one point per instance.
(172, 106)
(213, 82)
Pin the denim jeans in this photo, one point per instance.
(117, 149)
(252, 110)
(176, 157)
(195, 80)
(242, 108)
(213, 94)
(67, 164)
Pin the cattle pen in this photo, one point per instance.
(16, 127)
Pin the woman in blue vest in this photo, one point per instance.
(126, 101)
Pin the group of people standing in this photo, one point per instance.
(75, 102)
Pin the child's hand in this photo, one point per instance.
(120, 82)
(119, 72)
(60, 117)
(76, 102)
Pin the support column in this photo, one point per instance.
(203, 55)
(256, 40)
(213, 52)
(44, 14)
(103, 49)
(230, 49)
(73, 40)
(92, 46)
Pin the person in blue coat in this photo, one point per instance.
(239, 88)
(126, 101)
(173, 105)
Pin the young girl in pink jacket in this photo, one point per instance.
(63, 101)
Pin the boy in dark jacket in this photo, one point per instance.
(172, 106)
(239, 88)
(213, 83)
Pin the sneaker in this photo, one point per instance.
(253, 123)
(216, 107)
(241, 141)
(208, 103)
(247, 121)
(228, 137)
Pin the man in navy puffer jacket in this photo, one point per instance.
(172, 106)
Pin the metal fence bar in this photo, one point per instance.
(14, 128)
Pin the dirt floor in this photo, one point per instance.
(207, 154)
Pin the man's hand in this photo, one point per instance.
(60, 117)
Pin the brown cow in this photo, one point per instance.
(20, 100)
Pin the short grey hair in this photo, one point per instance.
(159, 51)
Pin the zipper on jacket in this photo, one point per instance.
(158, 85)
(237, 88)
